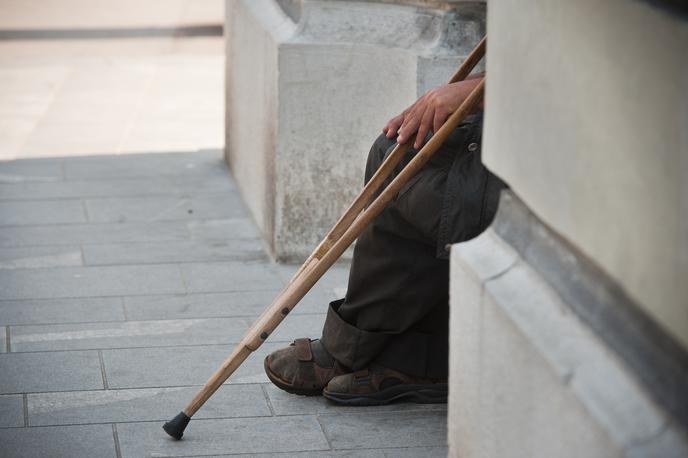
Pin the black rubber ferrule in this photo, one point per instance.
(177, 425)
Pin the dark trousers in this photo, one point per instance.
(396, 309)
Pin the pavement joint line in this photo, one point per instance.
(102, 369)
(115, 437)
(25, 407)
(124, 308)
(258, 262)
(194, 293)
(228, 344)
(111, 223)
(8, 343)
(126, 320)
(85, 209)
(322, 428)
(267, 399)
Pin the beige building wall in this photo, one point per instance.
(588, 122)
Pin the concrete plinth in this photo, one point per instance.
(309, 88)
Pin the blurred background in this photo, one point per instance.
(80, 77)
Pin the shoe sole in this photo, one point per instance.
(283, 385)
(420, 394)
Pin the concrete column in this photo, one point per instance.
(310, 85)
(569, 317)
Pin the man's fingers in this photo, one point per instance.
(390, 130)
(439, 119)
(424, 126)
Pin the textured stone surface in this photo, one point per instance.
(46, 256)
(11, 411)
(341, 53)
(90, 281)
(156, 367)
(69, 234)
(146, 404)
(50, 371)
(53, 311)
(529, 378)
(389, 429)
(62, 441)
(228, 276)
(3, 339)
(206, 437)
(15, 213)
(184, 251)
(210, 305)
(125, 209)
(594, 182)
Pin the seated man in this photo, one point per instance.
(388, 338)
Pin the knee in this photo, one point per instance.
(377, 154)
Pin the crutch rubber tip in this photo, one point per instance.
(177, 425)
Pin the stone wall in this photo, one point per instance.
(569, 317)
(310, 85)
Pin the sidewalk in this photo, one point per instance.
(124, 282)
(129, 266)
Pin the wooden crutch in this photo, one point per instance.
(350, 225)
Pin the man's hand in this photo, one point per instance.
(429, 112)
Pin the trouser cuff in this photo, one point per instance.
(352, 347)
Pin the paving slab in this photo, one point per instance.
(70, 234)
(207, 437)
(53, 311)
(183, 251)
(229, 276)
(121, 187)
(90, 281)
(211, 305)
(40, 256)
(17, 213)
(159, 208)
(284, 403)
(146, 404)
(93, 441)
(3, 339)
(207, 163)
(406, 452)
(33, 171)
(176, 366)
(389, 429)
(11, 411)
(223, 229)
(50, 371)
(154, 333)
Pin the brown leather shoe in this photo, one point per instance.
(379, 386)
(304, 367)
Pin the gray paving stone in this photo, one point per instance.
(154, 185)
(389, 429)
(223, 229)
(3, 339)
(207, 305)
(146, 404)
(406, 452)
(17, 213)
(90, 281)
(181, 251)
(50, 371)
(39, 256)
(154, 333)
(284, 403)
(70, 234)
(93, 441)
(244, 435)
(178, 366)
(229, 276)
(415, 452)
(132, 209)
(54, 311)
(201, 163)
(11, 411)
(33, 170)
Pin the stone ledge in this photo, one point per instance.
(530, 379)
